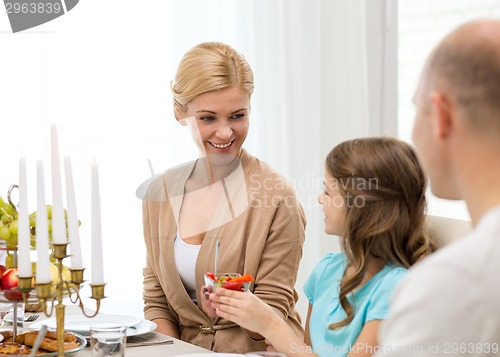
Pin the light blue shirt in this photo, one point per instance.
(371, 303)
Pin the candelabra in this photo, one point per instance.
(51, 297)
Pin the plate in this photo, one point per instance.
(81, 340)
(10, 318)
(81, 324)
(143, 327)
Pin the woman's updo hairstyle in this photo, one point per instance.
(207, 67)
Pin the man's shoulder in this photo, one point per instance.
(470, 262)
(474, 253)
(448, 295)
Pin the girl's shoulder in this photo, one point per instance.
(332, 261)
(391, 276)
(325, 276)
(395, 271)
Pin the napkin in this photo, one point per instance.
(148, 339)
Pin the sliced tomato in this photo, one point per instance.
(234, 285)
(244, 278)
(211, 276)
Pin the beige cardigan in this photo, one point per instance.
(265, 240)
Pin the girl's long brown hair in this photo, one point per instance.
(384, 190)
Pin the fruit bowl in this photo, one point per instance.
(16, 295)
(231, 281)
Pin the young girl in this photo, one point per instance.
(374, 199)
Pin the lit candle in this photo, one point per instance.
(97, 271)
(74, 234)
(42, 230)
(23, 230)
(58, 221)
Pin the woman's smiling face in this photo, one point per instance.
(221, 118)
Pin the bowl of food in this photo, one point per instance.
(231, 281)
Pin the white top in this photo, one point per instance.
(185, 261)
(449, 304)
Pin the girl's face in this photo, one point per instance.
(221, 119)
(334, 206)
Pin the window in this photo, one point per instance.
(422, 23)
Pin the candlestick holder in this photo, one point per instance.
(51, 295)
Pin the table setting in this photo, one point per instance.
(141, 339)
(42, 310)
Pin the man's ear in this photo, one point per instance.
(442, 115)
(178, 114)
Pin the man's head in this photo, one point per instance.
(458, 105)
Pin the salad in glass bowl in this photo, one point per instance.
(231, 281)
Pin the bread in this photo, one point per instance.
(26, 340)
(9, 348)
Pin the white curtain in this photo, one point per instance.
(102, 73)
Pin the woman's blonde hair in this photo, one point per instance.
(384, 190)
(207, 67)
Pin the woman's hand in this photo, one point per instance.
(251, 313)
(244, 309)
(205, 302)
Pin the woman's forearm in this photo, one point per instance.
(167, 327)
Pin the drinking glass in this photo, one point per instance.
(7, 313)
(108, 340)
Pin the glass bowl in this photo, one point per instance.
(231, 281)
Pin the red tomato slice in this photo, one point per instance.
(244, 278)
(233, 285)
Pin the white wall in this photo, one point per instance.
(101, 73)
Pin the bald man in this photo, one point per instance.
(449, 305)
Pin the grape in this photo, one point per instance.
(33, 219)
(9, 226)
(7, 218)
(33, 240)
(5, 233)
(9, 261)
(7, 209)
(12, 241)
(13, 227)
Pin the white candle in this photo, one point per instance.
(42, 230)
(97, 271)
(58, 220)
(74, 234)
(23, 230)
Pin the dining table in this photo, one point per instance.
(151, 344)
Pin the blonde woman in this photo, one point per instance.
(374, 199)
(226, 197)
